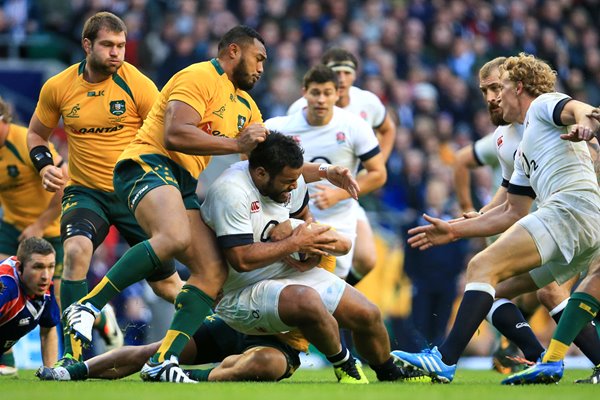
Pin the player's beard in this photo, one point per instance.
(241, 78)
(100, 67)
(495, 116)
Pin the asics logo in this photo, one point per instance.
(521, 325)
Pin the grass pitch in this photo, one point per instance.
(305, 384)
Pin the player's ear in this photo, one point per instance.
(87, 45)
(19, 266)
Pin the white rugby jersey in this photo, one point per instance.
(547, 163)
(363, 103)
(506, 142)
(484, 152)
(345, 141)
(239, 215)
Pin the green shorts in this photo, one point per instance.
(134, 179)
(216, 340)
(90, 213)
(9, 243)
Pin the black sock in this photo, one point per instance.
(340, 358)
(353, 278)
(388, 371)
(587, 340)
(473, 308)
(509, 321)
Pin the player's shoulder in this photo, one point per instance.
(350, 120)
(363, 96)
(546, 99)
(278, 123)
(234, 179)
(65, 77)
(130, 72)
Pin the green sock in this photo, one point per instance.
(7, 359)
(580, 310)
(192, 306)
(200, 375)
(78, 371)
(71, 292)
(136, 264)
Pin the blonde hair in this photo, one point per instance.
(5, 112)
(536, 75)
(490, 66)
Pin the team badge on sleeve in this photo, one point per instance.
(241, 122)
(117, 107)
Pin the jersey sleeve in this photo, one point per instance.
(48, 106)
(548, 107)
(519, 182)
(51, 314)
(227, 211)
(192, 89)
(299, 198)
(485, 151)
(145, 95)
(377, 108)
(256, 114)
(297, 106)
(365, 143)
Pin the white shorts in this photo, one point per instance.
(254, 310)
(567, 235)
(361, 214)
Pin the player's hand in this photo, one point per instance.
(53, 178)
(594, 114)
(33, 230)
(437, 233)
(312, 261)
(326, 197)
(342, 178)
(281, 231)
(252, 135)
(578, 133)
(309, 239)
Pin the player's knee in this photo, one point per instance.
(551, 296)
(480, 269)
(366, 316)
(309, 309)
(78, 253)
(171, 243)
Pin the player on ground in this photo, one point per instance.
(102, 102)
(262, 290)
(370, 108)
(242, 357)
(203, 110)
(332, 135)
(559, 173)
(27, 297)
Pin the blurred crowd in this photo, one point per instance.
(421, 57)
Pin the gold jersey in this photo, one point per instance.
(21, 193)
(100, 119)
(204, 86)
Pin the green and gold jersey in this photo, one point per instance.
(225, 111)
(21, 193)
(100, 119)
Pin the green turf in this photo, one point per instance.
(305, 384)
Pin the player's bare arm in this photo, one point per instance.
(38, 135)
(494, 221)
(182, 134)
(585, 123)
(373, 179)
(386, 135)
(338, 176)
(463, 164)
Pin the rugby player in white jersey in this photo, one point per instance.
(332, 135)
(562, 234)
(264, 292)
(503, 314)
(370, 108)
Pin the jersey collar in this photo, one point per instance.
(217, 66)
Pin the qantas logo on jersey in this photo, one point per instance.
(340, 137)
(500, 141)
(107, 129)
(255, 207)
